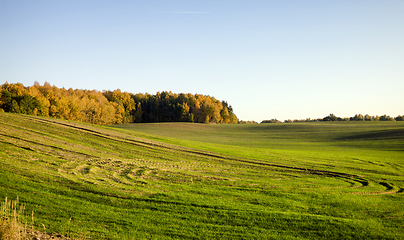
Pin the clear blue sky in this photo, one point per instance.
(268, 59)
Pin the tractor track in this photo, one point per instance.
(41, 144)
(167, 147)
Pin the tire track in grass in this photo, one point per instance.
(162, 146)
(389, 190)
(15, 145)
(41, 144)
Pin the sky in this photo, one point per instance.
(267, 59)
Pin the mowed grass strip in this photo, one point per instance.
(100, 182)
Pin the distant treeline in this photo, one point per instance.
(113, 107)
(333, 118)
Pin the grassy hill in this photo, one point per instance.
(197, 181)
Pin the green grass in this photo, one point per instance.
(198, 181)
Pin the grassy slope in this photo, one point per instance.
(373, 146)
(298, 181)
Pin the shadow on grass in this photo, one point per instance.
(377, 135)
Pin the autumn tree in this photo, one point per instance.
(125, 101)
(113, 107)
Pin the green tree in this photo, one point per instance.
(14, 108)
(330, 117)
(368, 117)
(357, 117)
(386, 118)
(139, 113)
(399, 118)
(185, 115)
(113, 107)
(375, 118)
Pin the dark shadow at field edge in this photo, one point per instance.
(378, 135)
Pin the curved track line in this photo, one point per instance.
(150, 145)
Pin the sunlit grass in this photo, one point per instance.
(195, 181)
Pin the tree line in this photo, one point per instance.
(333, 118)
(113, 107)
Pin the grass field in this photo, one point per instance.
(340, 180)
